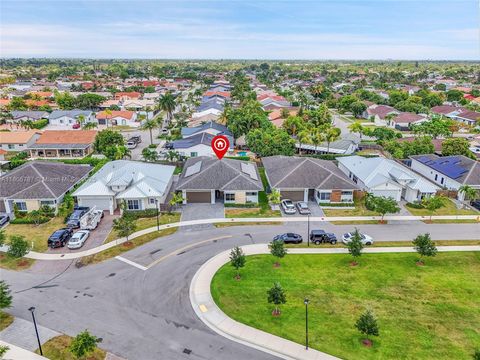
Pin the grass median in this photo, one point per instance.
(424, 312)
(57, 348)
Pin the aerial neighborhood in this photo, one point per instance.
(115, 163)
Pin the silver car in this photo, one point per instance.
(78, 239)
(288, 207)
(364, 238)
(303, 208)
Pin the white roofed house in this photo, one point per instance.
(385, 177)
(140, 185)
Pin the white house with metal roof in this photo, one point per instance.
(140, 185)
(385, 177)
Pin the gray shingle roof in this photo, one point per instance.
(290, 172)
(197, 139)
(214, 174)
(70, 113)
(36, 115)
(41, 180)
(187, 131)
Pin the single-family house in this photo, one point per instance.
(131, 95)
(18, 140)
(346, 145)
(20, 116)
(120, 117)
(208, 180)
(305, 178)
(380, 114)
(405, 120)
(70, 117)
(63, 144)
(38, 183)
(386, 177)
(450, 172)
(139, 185)
(199, 120)
(199, 144)
(210, 127)
(468, 117)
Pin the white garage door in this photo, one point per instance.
(99, 202)
(394, 194)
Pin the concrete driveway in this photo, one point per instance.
(201, 211)
(314, 209)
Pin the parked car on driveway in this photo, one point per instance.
(289, 238)
(320, 236)
(288, 207)
(303, 208)
(131, 144)
(74, 219)
(78, 239)
(4, 219)
(364, 238)
(59, 238)
(76, 126)
(475, 204)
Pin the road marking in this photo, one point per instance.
(203, 308)
(129, 262)
(185, 248)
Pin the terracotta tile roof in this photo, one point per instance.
(126, 114)
(219, 93)
(3, 152)
(43, 94)
(407, 117)
(4, 102)
(67, 137)
(129, 95)
(17, 137)
(444, 109)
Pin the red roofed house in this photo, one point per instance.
(132, 95)
(124, 117)
(405, 120)
(224, 94)
(380, 114)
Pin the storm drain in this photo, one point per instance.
(187, 351)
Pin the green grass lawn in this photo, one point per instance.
(448, 209)
(360, 210)
(251, 212)
(38, 234)
(57, 349)
(11, 263)
(5, 320)
(424, 312)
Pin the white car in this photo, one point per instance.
(366, 239)
(288, 206)
(78, 239)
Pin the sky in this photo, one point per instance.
(236, 29)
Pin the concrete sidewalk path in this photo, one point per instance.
(22, 333)
(79, 254)
(206, 309)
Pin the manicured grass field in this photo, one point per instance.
(448, 209)
(424, 312)
(57, 349)
(5, 320)
(360, 210)
(11, 263)
(251, 212)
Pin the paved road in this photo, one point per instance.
(147, 314)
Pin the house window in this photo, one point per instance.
(250, 193)
(355, 179)
(152, 201)
(324, 196)
(230, 197)
(133, 204)
(194, 154)
(441, 181)
(436, 177)
(347, 196)
(11, 146)
(47, 202)
(21, 205)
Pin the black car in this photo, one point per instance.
(59, 238)
(136, 139)
(475, 204)
(74, 219)
(320, 236)
(169, 146)
(289, 238)
(4, 219)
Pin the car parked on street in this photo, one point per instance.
(288, 207)
(303, 208)
(78, 239)
(59, 238)
(289, 238)
(131, 144)
(320, 236)
(4, 219)
(364, 238)
(475, 204)
(74, 219)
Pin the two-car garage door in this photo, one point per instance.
(292, 195)
(101, 203)
(394, 194)
(199, 197)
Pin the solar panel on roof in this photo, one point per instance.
(193, 169)
(250, 170)
(450, 167)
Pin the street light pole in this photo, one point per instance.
(306, 301)
(158, 222)
(32, 309)
(308, 230)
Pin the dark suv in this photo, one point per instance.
(74, 219)
(59, 238)
(320, 236)
(475, 204)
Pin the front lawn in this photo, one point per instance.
(360, 210)
(424, 312)
(11, 263)
(251, 213)
(36, 234)
(449, 208)
(5, 320)
(57, 349)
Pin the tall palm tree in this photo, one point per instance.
(356, 128)
(90, 125)
(468, 192)
(303, 138)
(167, 103)
(108, 112)
(150, 125)
(331, 134)
(317, 136)
(81, 120)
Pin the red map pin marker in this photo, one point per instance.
(220, 145)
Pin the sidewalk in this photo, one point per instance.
(76, 255)
(17, 353)
(206, 309)
(22, 333)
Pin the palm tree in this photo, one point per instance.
(330, 135)
(150, 125)
(317, 136)
(468, 192)
(167, 103)
(81, 120)
(356, 128)
(90, 125)
(303, 138)
(224, 115)
(108, 112)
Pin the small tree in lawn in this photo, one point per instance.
(278, 250)
(274, 197)
(432, 204)
(18, 246)
(476, 355)
(355, 246)
(277, 296)
(424, 246)
(237, 260)
(5, 297)
(177, 199)
(385, 205)
(368, 326)
(125, 225)
(83, 344)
